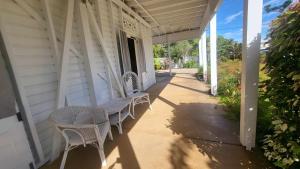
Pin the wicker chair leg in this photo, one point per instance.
(148, 99)
(120, 128)
(133, 105)
(110, 134)
(102, 156)
(63, 162)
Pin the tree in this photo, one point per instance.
(279, 8)
(228, 49)
(179, 50)
(159, 50)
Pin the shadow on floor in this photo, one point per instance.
(201, 136)
(88, 157)
(204, 125)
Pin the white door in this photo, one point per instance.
(15, 152)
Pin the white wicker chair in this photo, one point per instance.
(132, 86)
(82, 126)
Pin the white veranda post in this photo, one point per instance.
(170, 60)
(213, 55)
(204, 55)
(250, 69)
(200, 58)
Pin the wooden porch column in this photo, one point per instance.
(200, 58)
(204, 55)
(213, 55)
(169, 55)
(89, 60)
(250, 68)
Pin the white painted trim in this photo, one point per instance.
(65, 56)
(213, 56)
(176, 36)
(25, 103)
(100, 16)
(51, 30)
(250, 71)
(130, 11)
(37, 17)
(89, 61)
(112, 24)
(102, 43)
(146, 11)
(61, 93)
(200, 57)
(29, 10)
(204, 55)
(52, 35)
(211, 9)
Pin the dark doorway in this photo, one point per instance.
(133, 62)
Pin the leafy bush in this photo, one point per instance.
(229, 87)
(200, 70)
(190, 64)
(157, 65)
(282, 145)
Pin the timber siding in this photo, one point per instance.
(35, 64)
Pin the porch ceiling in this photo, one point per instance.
(175, 17)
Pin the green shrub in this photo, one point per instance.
(200, 70)
(282, 145)
(157, 65)
(229, 93)
(190, 64)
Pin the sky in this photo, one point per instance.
(230, 18)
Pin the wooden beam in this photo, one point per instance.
(23, 4)
(61, 92)
(190, 13)
(41, 21)
(204, 55)
(181, 19)
(182, 22)
(146, 12)
(178, 11)
(102, 43)
(211, 9)
(176, 36)
(169, 4)
(99, 15)
(66, 53)
(114, 36)
(89, 61)
(252, 25)
(51, 34)
(175, 7)
(130, 11)
(200, 56)
(213, 56)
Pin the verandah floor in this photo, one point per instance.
(186, 129)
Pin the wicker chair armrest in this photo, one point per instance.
(74, 131)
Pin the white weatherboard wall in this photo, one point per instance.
(149, 77)
(35, 65)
